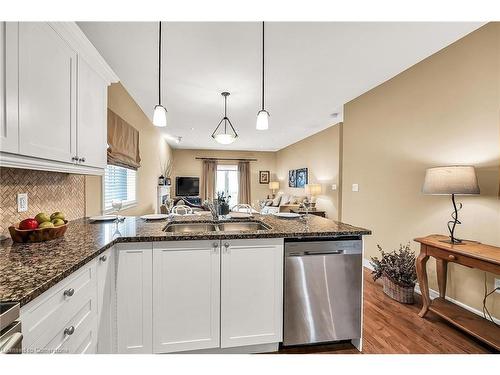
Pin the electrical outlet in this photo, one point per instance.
(497, 285)
(22, 202)
(355, 187)
(334, 187)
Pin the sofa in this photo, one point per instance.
(282, 203)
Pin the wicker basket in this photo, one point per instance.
(403, 294)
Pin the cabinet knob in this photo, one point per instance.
(69, 292)
(69, 331)
(81, 160)
(452, 257)
(103, 258)
(226, 245)
(215, 244)
(74, 158)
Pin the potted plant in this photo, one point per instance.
(398, 273)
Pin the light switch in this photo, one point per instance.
(355, 187)
(334, 187)
(22, 202)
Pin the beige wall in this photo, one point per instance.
(320, 154)
(153, 150)
(442, 111)
(185, 164)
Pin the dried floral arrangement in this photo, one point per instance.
(397, 265)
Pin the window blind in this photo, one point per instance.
(119, 183)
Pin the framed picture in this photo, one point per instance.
(291, 178)
(264, 177)
(301, 178)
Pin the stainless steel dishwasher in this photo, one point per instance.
(322, 297)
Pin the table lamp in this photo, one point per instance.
(313, 190)
(451, 180)
(274, 185)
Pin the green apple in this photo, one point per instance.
(57, 215)
(58, 222)
(42, 217)
(46, 224)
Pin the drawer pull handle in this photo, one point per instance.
(103, 258)
(452, 257)
(69, 292)
(69, 331)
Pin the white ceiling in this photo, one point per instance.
(312, 69)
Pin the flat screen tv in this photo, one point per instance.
(187, 186)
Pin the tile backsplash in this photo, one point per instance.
(47, 192)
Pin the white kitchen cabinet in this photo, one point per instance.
(47, 93)
(106, 302)
(134, 297)
(186, 295)
(9, 129)
(53, 95)
(251, 292)
(92, 117)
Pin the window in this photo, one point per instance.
(227, 181)
(119, 183)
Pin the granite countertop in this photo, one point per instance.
(27, 270)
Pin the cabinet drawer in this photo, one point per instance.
(451, 257)
(49, 312)
(82, 324)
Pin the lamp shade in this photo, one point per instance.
(457, 179)
(274, 185)
(313, 189)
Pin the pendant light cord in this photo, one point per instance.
(159, 65)
(263, 53)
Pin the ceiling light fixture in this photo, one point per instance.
(160, 112)
(263, 115)
(225, 137)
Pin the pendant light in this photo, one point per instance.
(160, 112)
(263, 115)
(225, 134)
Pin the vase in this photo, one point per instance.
(403, 294)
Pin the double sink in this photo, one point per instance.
(234, 226)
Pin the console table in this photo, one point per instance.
(471, 254)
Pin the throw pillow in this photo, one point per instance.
(276, 201)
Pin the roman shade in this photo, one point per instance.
(123, 143)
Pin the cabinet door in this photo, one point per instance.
(186, 295)
(47, 94)
(9, 126)
(92, 116)
(134, 297)
(251, 292)
(106, 302)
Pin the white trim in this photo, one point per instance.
(434, 294)
(75, 37)
(28, 162)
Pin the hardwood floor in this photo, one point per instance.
(391, 327)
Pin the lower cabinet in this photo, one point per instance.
(134, 297)
(251, 292)
(106, 321)
(204, 298)
(186, 295)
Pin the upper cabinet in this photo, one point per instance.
(47, 92)
(91, 115)
(54, 98)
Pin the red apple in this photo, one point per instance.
(28, 224)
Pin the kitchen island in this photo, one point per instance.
(125, 264)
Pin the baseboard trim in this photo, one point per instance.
(434, 294)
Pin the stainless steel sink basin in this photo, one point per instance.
(249, 226)
(190, 227)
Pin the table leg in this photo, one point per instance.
(422, 280)
(441, 270)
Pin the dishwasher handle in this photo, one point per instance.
(308, 253)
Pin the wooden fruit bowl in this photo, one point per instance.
(37, 235)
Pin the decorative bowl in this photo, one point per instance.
(37, 235)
